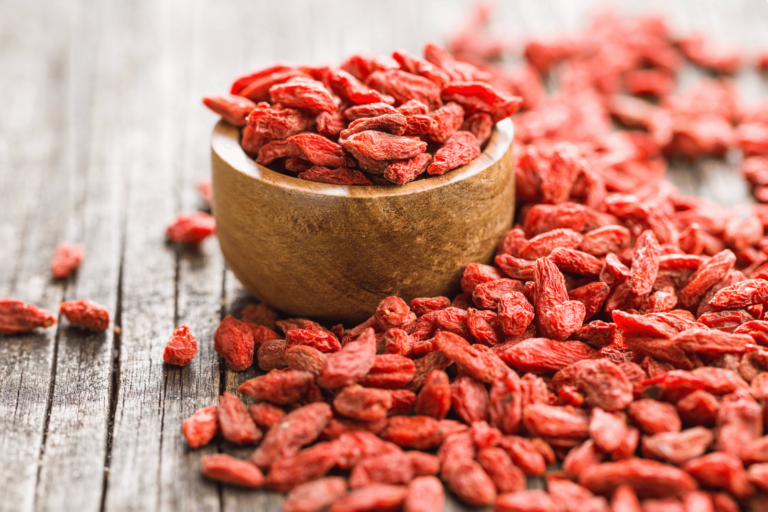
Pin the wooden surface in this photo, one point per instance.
(333, 252)
(102, 138)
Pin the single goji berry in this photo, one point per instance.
(67, 257)
(229, 470)
(181, 348)
(191, 229)
(95, 317)
(234, 421)
(201, 427)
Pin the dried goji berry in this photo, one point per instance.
(67, 257)
(371, 497)
(523, 455)
(448, 119)
(308, 464)
(363, 404)
(90, 315)
(191, 229)
(316, 495)
(229, 470)
(181, 348)
(264, 414)
(460, 149)
(425, 494)
(201, 427)
(234, 421)
(469, 399)
(351, 363)
(233, 109)
(647, 477)
(278, 387)
(234, 341)
(18, 317)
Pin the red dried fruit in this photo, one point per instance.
(276, 123)
(555, 422)
(233, 109)
(426, 305)
(582, 457)
(425, 494)
(382, 146)
(706, 276)
(181, 348)
(349, 87)
(66, 259)
(557, 317)
(481, 97)
(351, 363)
(323, 341)
(395, 124)
(469, 399)
(515, 313)
(90, 315)
(393, 312)
(406, 86)
(259, 314)
(330, 124)
(256, 86)
(505, 476)
(592, 296)
(191, 229)
(448, 119)
(389, 371)
(524, 455)
(316, 495)
(525, 501)
(739, 422)
(434, 399)
(264, 414)
(383, 497)
(654, 417)
(403, 171)
(279, 387)
(467, 480)
(271, 355)
(575, 262)
(480, 125)
(741, 294)
(647, 477)
(475, 361)
(18, 317)
(234, 421)
(645, 263)
(363, 404)
(339, 176)
(625, 500)
(721, 471)
(252, 142)
(303, 93)
(677, 447)
(505, 403)
(305, 359)
(229, 470)
(418, 432)
(234, 341)
(394, 468)
(542, 355)
(460, 149)
(308, 464)
(201, 427)
(607, 430)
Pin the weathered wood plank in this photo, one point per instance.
(72, 466)
(142, 33)
(200, 274)
(37, 74)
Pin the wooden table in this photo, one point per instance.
(102, 138)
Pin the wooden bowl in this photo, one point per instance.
(332, 253)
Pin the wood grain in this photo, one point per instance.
(101, 139)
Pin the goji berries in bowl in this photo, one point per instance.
(333, 252)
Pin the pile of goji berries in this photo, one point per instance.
(619, 333)
(370, 121)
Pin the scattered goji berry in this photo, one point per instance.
(95, 317)
(191, 229)
(201, 427)
(181, 348)
(67, 257)
(229, 470)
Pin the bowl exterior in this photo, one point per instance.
(332, 253)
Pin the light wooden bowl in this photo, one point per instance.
(332, 253)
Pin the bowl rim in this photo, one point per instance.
(225, 143)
